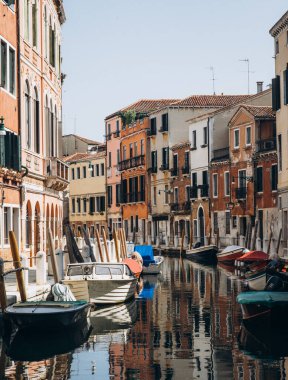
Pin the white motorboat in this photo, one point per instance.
(151, 264)
(257, 280)
(153, 268)
(101, 283)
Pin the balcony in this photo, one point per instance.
(163, 129)
(116, 133)
(56, 174)
(266, 145)
(204, 191)
(194, 192)
(153, 170)
(241, 193)
(152, 131)
(180, 207)
(133, 197)
(164, 167)
(174, 172)
(220, 154)
(186, 206)
(131, 163)
(186, 170)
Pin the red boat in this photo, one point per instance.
(230, 254)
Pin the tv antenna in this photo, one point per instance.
(211, 68)
(248, 71)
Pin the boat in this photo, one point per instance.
(206, 254)
(45, 315)
(230, 254)
(151, 264)
(264, 309)
(101, 283)
(256, 280)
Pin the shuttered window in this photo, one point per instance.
(285, 86)
(274, 177)
(259, 179)
(276, 93)
(10, 157)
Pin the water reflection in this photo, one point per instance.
(185, 325)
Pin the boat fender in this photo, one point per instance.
(87, 270)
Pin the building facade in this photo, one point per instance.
(41, 122)
(10, 157)
(244, 184)
(72, 144)
(87, 192)
(280, 104)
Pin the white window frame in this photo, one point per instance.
(246, 135)
(166, 195)
(8, 47)
(226, 193)
(10, 207)
(215, 193)
(236, 130)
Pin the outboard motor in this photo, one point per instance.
(274, 284)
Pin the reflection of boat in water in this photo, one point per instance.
(261, 343)
(29, 345)
(203, 254)
(149, 286)
(117, 317)
(151, 264)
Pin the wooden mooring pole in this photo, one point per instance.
(3, 295)
(105, 244)
(116, 243)
(53, 258)
(17, 265)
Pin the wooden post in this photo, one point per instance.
(182, 242)
(105, 244)
(191, 236)
(270, 239)
(217, 238)
(124, 242)
(99, 245)
(116, 245)
(53, 258)
(253, 244)
(279, 241)
(210, 236)
(3, 295)
(17, 265)
(237, 238)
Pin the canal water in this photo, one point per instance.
(185, 324)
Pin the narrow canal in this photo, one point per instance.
(185, 325)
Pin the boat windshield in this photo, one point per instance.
(75, 270)
(109, 270)
(104, 270)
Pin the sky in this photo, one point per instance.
(116, 52)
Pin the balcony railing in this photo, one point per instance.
(133, 197)
(164, 167)
(185, 170)
(56, 174)
(131, 163)
(194, 192)
(152, 131)
(163, 129)
(241, 193)
(177, 207)
(220, 154)
(204, 191)
(266, 145)
(174, 172)
(153, 169)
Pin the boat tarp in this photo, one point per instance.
(254, 256)
(263, 298)
(232, 248)
(146, 251)
(134, 266)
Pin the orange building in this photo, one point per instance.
(244, 183)
(10, 160)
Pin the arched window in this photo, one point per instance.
(36, 122)
(55, 132)
(27, 115)
(51, 127)
(26, 20)
(35, 24)
(45, 32)
(47, 126)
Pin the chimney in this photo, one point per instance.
(259, 87)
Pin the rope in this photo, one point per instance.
(14, 271)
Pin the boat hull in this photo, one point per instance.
(46, 317)
(256, 281)
(154, 268)
(102, 291)
(203, 255)
(229, 257)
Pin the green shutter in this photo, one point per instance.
(276, 93)
(285, 86)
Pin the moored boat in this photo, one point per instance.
(257, 280)
(101, 283)
(151, 264)
(204, 255)
(231, 253)
(264, 308)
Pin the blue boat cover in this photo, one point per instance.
(146, 252)
(264, 298)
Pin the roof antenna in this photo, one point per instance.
(248, 71)
(211, 68)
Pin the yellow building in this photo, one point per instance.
(87, 191)
(280, 104)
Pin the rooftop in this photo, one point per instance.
(281, 24)
(207, 101)
(84, 139)
(80, 157)
(260, 112)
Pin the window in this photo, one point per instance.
(34, 25)
(259, 179)
(274, 178)
(276, 97)
(131, 224)
(100, 204)
(165, 122)
(166, 195)
(142, 147)
(84, 206)
(227, 183)
(109, 160)
(242, 178)
(276, 47)
(205, 136)
(165, 158)
(118, 156)
(36, 122)
(285, 86)
(97, 170)
(176, 195)
(130, 150)
(124, 153)
(280, 152)
(92, 171)
(109, 195)
(142, 188)
(236, 138)
(84, 171)
(91, 205)
(118, 195)
(215, 185)
(243, 226)
(227, 224)
(73, 206)
(102, 169)
(27, 116)
(154, 196)
(186, 160)
(12, 71)
(194, 142)
(7, 224)
(73, 173)
(248, 136)
(78, 205)
(215, 222)
(154, 161)
(3, 64)
(78, 173)
(135, 149)
(153, 126)
(136, 223)
(187, 193)
(175, 162)
(26, 20)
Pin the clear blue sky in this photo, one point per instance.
(118, 51)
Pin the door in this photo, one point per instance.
(201, 226)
